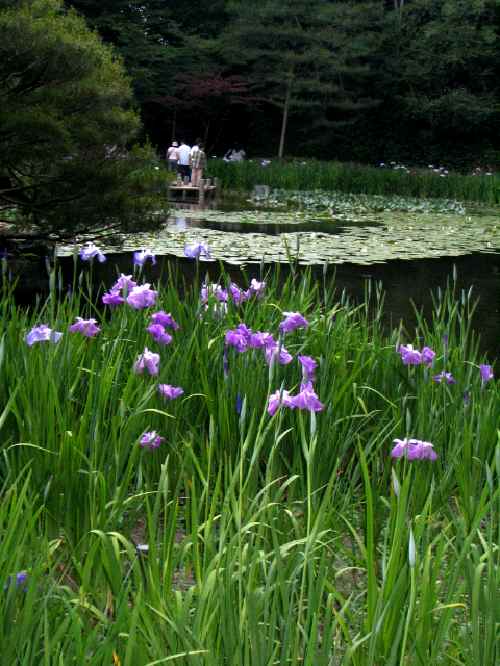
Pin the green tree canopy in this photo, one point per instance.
(366, 80)
(301, 55)
(448, 69)
(66, 119)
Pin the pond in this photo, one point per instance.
(319, 230)
(410, 246)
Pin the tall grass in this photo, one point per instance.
(355, 179)
(246, 539)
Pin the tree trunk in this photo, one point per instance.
(174, 124)
(284, 120)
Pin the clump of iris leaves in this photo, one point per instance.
(244, 538)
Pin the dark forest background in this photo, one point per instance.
(410, 80)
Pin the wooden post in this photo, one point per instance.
(202, 190)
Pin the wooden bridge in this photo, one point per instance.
(187, 192)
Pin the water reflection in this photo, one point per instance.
(269, 228)
(179, 223)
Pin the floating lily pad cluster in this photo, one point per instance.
(363, 236)
(339, 202)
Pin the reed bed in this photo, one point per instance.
(245, 538)
(356, 179)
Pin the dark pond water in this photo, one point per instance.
(270, 228)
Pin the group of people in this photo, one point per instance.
(235, 154)
(187, 161)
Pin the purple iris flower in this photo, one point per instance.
(443, 377)
(274, 351)
(257, 288)
(428, 356)
(244, 330)
(238, 295)
(221, 295)
(21, 578)
(410, 356)
(87, 327)
(42, 333)
(113, 298)
(159, 334)
(261, 340)
(486, 372)
(278, 399)
(21, 581)
(151, 440)
(238, 338)
(197, 250)
(214, 289)
(309, 366)
(124, 282)
(170, 392)
(147, 361)
(89, 251)
(204, 294)
(413, 449)
(142, 256)
(292, 321)
(239, 403)
(142, 297)
(308, 399)
(164, 319)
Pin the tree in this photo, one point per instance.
(300, 55)
(66, 120)
(167, 50)
(445, 69)
(145, 36)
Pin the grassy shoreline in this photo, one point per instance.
(355, 179)
(245, 538)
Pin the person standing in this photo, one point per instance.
(183, 164)
(173, 156)
(196, 145)
(238, 155)
(198, 163)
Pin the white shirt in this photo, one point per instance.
(172, 153)
(184, 153)
(237, 155)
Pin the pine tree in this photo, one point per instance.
(66, 120)
(303, 56)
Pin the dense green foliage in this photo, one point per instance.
(301, 56)
(355, 179)
(271, 540)
(66, 123)
(412, 80)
